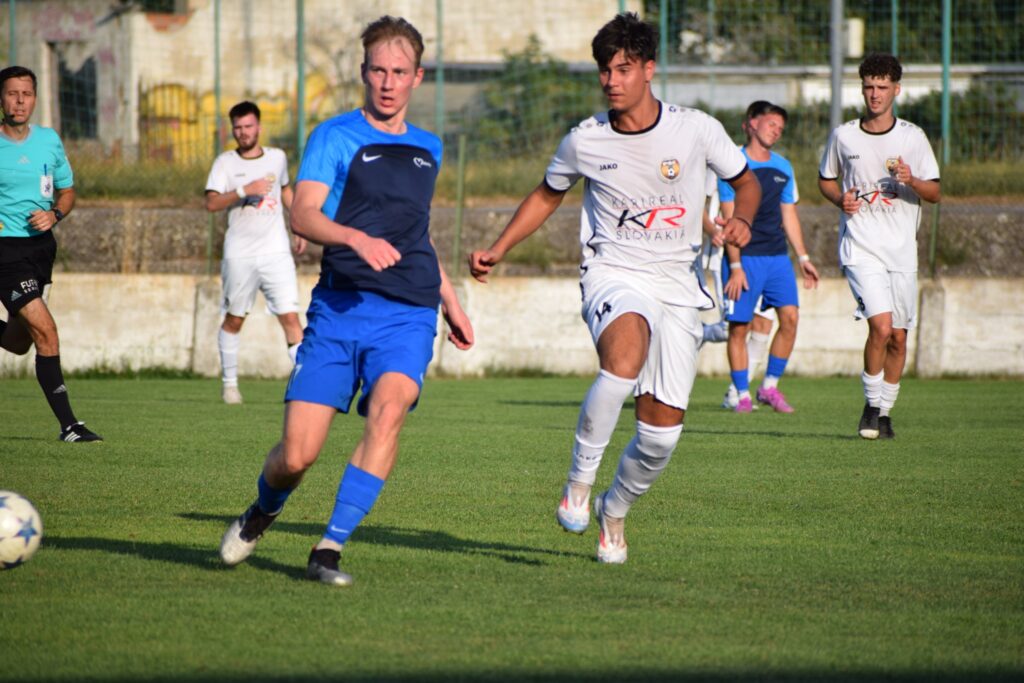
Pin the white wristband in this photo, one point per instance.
(736, 265)
(240, 192)
(804, 258)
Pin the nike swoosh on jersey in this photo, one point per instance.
(368, 159)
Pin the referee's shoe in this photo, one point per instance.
(78, 433)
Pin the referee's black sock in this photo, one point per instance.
(51, 379)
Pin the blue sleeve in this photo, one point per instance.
(63, 177)
(789, 193)
(725, 192)
(322, 159)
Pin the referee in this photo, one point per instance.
(35, 194)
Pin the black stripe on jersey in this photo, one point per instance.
(746, 168)
(611, 120)
(868, 132)
(552, 189)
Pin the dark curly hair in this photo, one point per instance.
(881, 65)
(626, 32)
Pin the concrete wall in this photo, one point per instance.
(968, 327)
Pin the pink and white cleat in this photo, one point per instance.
(775, 399)
(744, 405)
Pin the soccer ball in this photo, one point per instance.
(21, 529)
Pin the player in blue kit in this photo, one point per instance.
(763, 269)
(36, 192)
(364, 190)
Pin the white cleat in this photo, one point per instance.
(573, 518)
(231, 395)
(611, 548)
(731, 399)
(243, 533)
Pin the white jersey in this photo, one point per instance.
(885, 228)
(644, 193)
(255, 224)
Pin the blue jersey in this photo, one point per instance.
(30, 169)
(778, 187)
(381, 184)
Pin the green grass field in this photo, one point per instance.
(775, 547)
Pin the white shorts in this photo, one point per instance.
(676, 333)
(272, 274)
(877, 290)
(766, 313)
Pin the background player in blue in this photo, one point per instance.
(763, 269)
(35, 194)
(364, 190)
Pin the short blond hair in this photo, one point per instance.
(389, 28)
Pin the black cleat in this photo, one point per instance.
(78, 432)
(323, 567)
(240, 538)
(868, 428)
(885, 428)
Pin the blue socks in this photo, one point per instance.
(270, 500)
(357, 493)
(741, 380)
(776, 366)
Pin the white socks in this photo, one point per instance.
(640, 466)
(228, 345)
(757, 344)
(872, 388)
(598, 416)
(888, 397)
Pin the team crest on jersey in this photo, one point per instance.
(669, 170)
(890, 165)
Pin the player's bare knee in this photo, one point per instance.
(232, 324)
(789, 318)
(897, 342)
(387, 415)
(880, 331)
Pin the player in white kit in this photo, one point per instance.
(886, 167)
(644, 164)
(252, 183)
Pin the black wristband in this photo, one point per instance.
(58, 214)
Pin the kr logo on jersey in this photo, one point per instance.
(658, 218)
(883, 195)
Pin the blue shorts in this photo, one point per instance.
(351, 339)
(769, 277)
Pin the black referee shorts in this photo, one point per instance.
(26, 266)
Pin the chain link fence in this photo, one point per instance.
(139, 89)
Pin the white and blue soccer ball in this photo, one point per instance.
(21, 529)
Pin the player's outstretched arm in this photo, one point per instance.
(736, 230)
(536, 208)
(308, 221)
(461, 334)
(795, 235)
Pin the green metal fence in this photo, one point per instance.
(139, 90)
